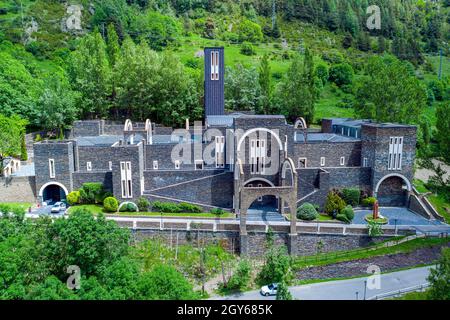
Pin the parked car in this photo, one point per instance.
(269, 290)
(58, 207)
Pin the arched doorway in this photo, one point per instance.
(393, 191)
(53, 192)
(266, 203)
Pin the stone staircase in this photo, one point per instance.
(264, 215)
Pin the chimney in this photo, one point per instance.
(214, 81)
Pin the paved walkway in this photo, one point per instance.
(399, 216)
(350, 289)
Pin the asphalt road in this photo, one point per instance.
(346, 289)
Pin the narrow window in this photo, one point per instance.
(198, 164)
(126, 179)
(51, 168)
(155, 165)
(302, 162)
(219, 149)
(395, 153)
(177, 164)
(89, 166)
(322, 161)
(214, 65)
(342, 162)
(365, 162)
(110, 165)
(257, 156)
(123, 179)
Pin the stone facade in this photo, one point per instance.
(18, 189)
(219, 160)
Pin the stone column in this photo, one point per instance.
(292, 244)
(243, 233)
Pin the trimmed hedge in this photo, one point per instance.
(129, 207)
(217, 211)
(347, 214)
(143, 204)
(307, 212)
(189, 208)
(92, 193)
(73, 198)
(111, 204)
(169, 207)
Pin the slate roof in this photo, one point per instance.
(99, 141)
(324, 137)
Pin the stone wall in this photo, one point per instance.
(103, 177)
(18, 189)
(415, 205)
(87, 128)
(308, 244)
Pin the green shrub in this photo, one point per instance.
(143, 204)
(348, 213)
(307, 212)
(217, 211)
(341, 74)
(92, 192)
(240, 279)
(368, 202)
(189, 208)
(342, 217)
(351, 196)
(247, 49)
(128, 207)
(110, 204)
(38, 138)
(73, 198)
(166, 207)
(334, 203)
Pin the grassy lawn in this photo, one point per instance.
(413, 296)
(96, 209)
(420, 186)
(439, 202)
(325, 217)
(342, 256)
(24, 205)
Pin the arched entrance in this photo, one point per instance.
(263, 204)
(393, 191)
(53, 192)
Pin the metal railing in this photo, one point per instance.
(401, 292)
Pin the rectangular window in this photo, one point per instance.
(302, 162)
(365, 162)
(155, 165)
(89, 166)
(395, 153)
(198, 164)
(257, 156)
(322, 161)
(126, 179)
(220, 147)
(214, 65)
(177, 164)
(110, 165)
(51, 168)
(342, 162)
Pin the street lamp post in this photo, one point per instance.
(365, 289)
(357, 295)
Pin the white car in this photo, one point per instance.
(58, 207)
(269, 290)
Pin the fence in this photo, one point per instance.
(326, 257)
(401, 292)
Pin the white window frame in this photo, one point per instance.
(215, 62)
(126, 182)
(197, 162)
(395, 154)
(88, 166)
(220, 151)
(342, 161)
(258, 156)
(51, 168)
(300, 160)
(365, 162)
(177, 164)
(110, 165)
(322, 161)
(155, 164)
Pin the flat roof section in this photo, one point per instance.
(324, 137)
(97, 141)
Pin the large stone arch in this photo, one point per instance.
(259, 179)
(408, 183)
(390, 190)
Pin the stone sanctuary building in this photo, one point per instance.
(232, 161)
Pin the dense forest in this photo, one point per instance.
(116, 59)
